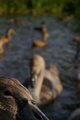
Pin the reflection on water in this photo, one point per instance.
(60, 51)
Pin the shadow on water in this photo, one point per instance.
(60, 51)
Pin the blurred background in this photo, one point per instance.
(51, 7)
(62, 18)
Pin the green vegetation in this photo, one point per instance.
(55, 7)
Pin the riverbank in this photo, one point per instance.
(52, 7)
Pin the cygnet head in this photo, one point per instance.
(13, 98)
(37, 64)
(10, 31)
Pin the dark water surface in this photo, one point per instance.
(60, 51)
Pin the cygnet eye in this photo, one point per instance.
(7, 92)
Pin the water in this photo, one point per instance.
(60, 51)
